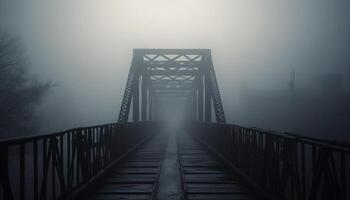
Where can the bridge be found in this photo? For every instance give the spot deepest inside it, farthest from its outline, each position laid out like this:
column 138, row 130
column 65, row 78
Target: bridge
column 172, row 141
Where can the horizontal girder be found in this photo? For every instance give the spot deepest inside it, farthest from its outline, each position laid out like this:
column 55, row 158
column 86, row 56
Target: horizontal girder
column 173, row 73
column 172, row 64
column 173, row 51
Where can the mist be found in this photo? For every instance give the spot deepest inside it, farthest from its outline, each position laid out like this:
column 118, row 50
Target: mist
column 85, row 48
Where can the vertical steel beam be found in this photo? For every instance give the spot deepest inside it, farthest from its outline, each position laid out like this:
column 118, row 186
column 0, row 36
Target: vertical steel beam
column 200, row 97
column 128, row 92
column 136, row 101
column 189, row 108
column 215, row 93
column 150, row 106
column 155, row 109
column 208, row 100
column 144, row 98
column 195, row 106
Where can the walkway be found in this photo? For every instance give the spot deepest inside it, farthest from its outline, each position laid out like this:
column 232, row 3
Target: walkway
column 171, row 167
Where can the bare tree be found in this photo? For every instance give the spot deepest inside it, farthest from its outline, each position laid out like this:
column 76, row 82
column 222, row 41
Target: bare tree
column 19, row 92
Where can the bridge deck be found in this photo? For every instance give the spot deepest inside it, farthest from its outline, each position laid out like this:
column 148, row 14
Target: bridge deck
column 202, row 177
column 136, row 178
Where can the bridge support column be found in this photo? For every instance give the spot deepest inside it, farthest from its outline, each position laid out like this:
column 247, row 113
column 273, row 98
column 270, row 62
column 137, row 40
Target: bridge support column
column 208, row 96
column 155, row 109
column 194, row 106
column 150, row 106
column 144, row 99
column 136, row 102
column 200, row 98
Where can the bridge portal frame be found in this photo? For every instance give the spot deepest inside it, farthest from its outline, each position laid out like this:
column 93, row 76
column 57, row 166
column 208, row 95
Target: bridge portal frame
column 158, row 75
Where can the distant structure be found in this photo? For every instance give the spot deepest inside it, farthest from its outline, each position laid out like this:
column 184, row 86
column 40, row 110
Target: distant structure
column 292, row 82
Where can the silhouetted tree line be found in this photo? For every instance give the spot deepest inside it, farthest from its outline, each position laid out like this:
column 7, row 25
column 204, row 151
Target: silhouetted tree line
column 19, row 92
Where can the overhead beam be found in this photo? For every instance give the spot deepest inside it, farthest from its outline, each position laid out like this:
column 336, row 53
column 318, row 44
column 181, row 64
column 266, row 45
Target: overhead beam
column 172, row 72
column 173, row 51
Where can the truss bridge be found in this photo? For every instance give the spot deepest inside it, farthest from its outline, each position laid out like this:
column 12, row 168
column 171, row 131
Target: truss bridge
column 171, row 141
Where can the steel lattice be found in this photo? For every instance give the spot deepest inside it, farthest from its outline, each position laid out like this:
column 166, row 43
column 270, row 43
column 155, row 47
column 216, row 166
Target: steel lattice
column 171, row 74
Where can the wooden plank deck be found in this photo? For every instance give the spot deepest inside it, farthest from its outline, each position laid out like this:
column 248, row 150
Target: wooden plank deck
column 204, row 178
column 136, row 178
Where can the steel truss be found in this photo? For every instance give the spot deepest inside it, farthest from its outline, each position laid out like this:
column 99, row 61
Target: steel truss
column 158, row 75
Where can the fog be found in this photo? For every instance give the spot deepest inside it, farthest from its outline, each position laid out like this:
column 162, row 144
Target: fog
column 85, row 48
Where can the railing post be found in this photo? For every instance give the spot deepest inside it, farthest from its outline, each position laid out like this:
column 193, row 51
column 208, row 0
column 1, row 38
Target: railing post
column 5, row 188
column 22, row 170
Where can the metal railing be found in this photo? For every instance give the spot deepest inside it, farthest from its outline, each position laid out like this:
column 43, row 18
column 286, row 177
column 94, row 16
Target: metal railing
column 288, row 166
column 53, row 166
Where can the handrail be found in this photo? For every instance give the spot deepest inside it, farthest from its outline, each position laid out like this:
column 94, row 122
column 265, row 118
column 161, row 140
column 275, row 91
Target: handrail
column 18, row 139
column 53, row 166
column 335, row 143
column 289, row 166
